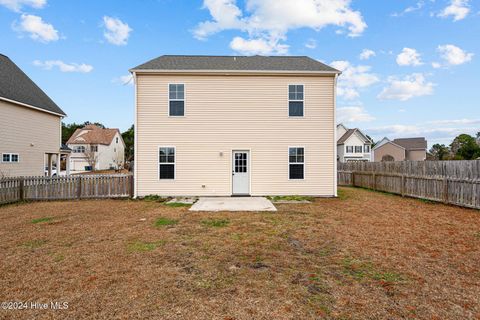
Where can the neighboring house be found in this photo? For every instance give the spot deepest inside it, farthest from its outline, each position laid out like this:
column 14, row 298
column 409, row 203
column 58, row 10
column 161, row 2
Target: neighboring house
column 352, row 145
column 30, row 125
column 226, row 125
column 95, row 148
column 414, row 149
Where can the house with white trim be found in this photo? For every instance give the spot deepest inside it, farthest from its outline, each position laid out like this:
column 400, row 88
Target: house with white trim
column 353, row 145
column 235, row 126
column 96, row 148
column 30, row 126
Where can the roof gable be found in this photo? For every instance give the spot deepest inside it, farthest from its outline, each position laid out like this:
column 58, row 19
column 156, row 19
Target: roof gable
column 16, row 86
column 351, row 132
column 92, row 134
column 235, row 63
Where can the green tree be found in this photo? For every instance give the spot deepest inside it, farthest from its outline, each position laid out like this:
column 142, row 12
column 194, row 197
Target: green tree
column 439, row 151
column 129, row 139
column 373, row 142
column 69, row 129
column 465, row 147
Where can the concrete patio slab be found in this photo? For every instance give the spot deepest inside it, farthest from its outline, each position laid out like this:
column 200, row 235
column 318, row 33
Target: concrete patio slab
column 233, row 204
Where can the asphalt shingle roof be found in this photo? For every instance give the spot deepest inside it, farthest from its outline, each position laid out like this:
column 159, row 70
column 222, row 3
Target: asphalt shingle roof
column 92, row 134
column 17, row 86
column 412, row 143
column 236, row 63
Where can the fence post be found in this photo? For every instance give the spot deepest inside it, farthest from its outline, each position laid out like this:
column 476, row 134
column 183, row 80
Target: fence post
column 21, row 187
column 445, row 190
column 353, row 178
column 79, row 188
column 374, row 182
column 402, row 186
column 131, row 181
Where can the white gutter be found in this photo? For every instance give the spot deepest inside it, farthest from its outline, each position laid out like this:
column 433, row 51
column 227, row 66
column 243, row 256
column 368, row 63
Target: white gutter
column 33, row 107
column 335, row 187
column 135, row 139
column 227, row 72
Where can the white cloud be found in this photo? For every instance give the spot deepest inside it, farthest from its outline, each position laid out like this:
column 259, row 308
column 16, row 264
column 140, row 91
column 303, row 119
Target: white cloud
column 311, row 44
column 458, row 9
column 353, row 114
column 367, row 54
column 16, row 5
column 453, row 55
column 257, row 46
column 116, row 32
column 419, row 5
column 270, row 20
column 414, row 85
column 63, row 67
column 409, row 57
column 352, row 79
column 38, row 29
column 124, row 80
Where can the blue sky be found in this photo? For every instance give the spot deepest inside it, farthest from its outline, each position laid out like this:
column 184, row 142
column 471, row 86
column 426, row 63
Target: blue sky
column 417, row 76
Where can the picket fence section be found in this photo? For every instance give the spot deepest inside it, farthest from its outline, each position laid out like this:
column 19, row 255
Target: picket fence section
column 66, row 188
column 452, row 182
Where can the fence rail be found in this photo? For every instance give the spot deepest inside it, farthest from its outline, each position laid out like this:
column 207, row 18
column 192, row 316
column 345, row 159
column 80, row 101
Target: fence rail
column 452, row 182
column 66, row 188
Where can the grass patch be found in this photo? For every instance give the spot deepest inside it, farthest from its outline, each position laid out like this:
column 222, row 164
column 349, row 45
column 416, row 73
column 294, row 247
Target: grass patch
column 162, row 222
column 154, row 198
column 34, row 244
column 364, row 270
column 177, row 204
column 141, row 246
column 40, row 220
column 290, row 198
column 58, row 257
column 216, row 223
column 341, row 194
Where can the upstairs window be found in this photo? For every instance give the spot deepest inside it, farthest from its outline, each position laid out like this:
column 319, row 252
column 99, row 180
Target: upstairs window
column 296, row 163
column 176, row 100
column 366, row 148
column 94, row 148
column 349, row 149
column 358, row 149
column 295, row 100
column 10, row 157
column 79, row 149
column 166, row 159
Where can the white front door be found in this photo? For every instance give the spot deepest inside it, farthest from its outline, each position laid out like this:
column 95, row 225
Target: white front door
column 240, row 173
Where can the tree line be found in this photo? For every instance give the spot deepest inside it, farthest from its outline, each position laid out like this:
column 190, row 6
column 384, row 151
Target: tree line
column 463, row 147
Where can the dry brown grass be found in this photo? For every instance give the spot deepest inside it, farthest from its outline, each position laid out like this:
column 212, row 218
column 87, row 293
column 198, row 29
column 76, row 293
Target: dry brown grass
column 364, row 256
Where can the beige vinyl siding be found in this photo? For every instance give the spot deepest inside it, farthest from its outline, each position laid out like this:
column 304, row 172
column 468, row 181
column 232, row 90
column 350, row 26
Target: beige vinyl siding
column 20, row 127
column 416, row 155
column 225, row 113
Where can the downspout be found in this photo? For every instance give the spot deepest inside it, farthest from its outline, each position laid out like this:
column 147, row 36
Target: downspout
column 135, row 144
column 335, row 175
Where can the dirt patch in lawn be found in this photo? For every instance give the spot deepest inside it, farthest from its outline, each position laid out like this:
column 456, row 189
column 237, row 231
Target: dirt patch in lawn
column 365, row 255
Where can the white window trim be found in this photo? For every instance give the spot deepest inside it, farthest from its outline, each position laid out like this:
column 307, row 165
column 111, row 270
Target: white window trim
column 369, row 148
column 304, row 162
column 174, row 163
column 288, row 100
column 184, row 100
column 10, row 157
column 355, row 149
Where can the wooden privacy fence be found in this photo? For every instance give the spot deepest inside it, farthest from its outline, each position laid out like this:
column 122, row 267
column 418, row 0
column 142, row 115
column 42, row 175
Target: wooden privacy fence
column 452, row 182
column 66, row 188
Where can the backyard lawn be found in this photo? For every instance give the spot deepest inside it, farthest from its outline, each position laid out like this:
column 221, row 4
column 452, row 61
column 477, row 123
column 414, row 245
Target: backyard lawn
column 365, row 255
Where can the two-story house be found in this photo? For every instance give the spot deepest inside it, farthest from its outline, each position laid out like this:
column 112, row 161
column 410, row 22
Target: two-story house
column 30, row 125
column 96, row 148
column 235, row 125
column 353, row 145
column 412, row 149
